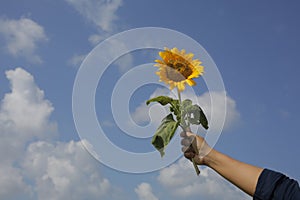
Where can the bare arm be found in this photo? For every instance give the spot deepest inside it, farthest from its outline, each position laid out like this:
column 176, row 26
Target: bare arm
column 242, row 175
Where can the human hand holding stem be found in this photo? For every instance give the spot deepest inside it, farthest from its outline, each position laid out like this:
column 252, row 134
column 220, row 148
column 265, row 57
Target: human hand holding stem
column 193, row 159
column 187, row 128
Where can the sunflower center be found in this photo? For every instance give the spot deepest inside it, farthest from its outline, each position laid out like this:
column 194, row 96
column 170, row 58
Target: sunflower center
column 178, row 69
column 183, row 68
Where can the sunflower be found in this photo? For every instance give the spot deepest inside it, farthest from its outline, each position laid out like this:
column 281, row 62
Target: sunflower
column 178, row 68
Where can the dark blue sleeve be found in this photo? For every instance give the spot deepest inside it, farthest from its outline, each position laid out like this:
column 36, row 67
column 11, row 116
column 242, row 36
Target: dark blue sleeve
column 273, row 185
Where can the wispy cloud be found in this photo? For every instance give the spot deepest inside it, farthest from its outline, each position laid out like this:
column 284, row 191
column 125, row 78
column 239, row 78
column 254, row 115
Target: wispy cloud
column 22, row 37
column 144, row 192
column 108, row 123
column 102, row 13
column 76, row 60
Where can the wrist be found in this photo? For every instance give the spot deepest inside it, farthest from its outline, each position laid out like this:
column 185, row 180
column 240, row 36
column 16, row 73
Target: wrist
column 210, row 158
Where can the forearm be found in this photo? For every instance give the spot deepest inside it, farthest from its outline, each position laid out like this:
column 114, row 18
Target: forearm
column 242, row 175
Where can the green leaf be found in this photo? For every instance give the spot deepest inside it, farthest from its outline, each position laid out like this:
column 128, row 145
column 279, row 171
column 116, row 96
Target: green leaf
column 164, row 133
column 163, row 100
column 197, row 116
column 193, row 113
column 186, row 103
column 203, row 119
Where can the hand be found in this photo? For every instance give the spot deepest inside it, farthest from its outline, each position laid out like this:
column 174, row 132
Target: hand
column 194, row 146
column 241, row 174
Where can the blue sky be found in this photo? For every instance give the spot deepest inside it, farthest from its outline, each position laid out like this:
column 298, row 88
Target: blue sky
column 255, row 45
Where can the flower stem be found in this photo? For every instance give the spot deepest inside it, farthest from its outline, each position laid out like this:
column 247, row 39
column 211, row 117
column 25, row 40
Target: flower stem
column 179, row 95
column 187, row 129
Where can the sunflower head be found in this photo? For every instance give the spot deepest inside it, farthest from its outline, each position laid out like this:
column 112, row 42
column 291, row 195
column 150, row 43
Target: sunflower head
column 177, row 68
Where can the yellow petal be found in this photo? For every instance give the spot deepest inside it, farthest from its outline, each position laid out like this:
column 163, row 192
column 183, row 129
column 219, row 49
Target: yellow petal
column 182, row 52
column 200, row 69
column 195, row 74
column 175, row 50
column 161, row 54
column 196, row 62
column 181, row 86
column 157, row 65
column 172, row 85
column 191, row 82
column 159, row 61
column 189, row 56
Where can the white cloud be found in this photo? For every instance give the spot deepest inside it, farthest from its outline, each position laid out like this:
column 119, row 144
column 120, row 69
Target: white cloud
column 12, row 185
column 144, row 113
column 108, row 123
column 33, row 166
column 124, row 62
column 116, row 48
column 90, row 148
column 26, row 103
column 22, row 36
column 76, row 60
column 96, row 38
column 64, row 171
column 181, row 181
column 153, row 112
column 144, row 192
column 24, row 115
column 100, row 12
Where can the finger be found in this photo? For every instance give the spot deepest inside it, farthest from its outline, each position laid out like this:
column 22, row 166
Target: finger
column 184, row 149
column 187, row 149
column 189, row 155
column 186, row 134
column 193, row 141
column 183, row 134
column 186, row 141
column 190, row 141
